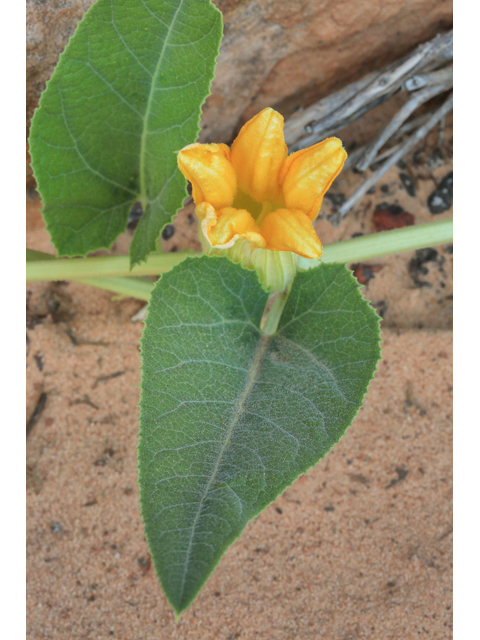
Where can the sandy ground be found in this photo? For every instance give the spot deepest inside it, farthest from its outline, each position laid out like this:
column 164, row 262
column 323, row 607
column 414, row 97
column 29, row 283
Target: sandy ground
column 358, row 548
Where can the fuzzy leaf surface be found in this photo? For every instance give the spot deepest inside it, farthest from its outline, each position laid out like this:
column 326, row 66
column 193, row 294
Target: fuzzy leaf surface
column 230, row 417
column 124, row 97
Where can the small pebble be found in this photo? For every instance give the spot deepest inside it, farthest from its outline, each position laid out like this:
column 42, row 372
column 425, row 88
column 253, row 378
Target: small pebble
column 168, row 232
column 441, row 199
column 408, row 184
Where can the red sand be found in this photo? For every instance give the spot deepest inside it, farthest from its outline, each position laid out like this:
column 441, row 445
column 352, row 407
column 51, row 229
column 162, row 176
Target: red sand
column 358, row 548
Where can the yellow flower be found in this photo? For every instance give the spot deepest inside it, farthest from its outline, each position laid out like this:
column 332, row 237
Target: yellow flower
column 254, row 200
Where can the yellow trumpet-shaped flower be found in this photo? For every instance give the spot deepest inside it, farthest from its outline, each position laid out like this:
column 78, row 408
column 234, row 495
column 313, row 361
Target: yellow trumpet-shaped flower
column 254, row 200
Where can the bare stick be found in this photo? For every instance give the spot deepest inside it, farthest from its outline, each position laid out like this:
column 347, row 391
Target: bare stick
column 409, row 126
column 414, row 123
column 418, row 98
column 386, row 154
column 299, row 123
column 441, row 133
column 442, row 76
column 419, row 134
column 343, row 107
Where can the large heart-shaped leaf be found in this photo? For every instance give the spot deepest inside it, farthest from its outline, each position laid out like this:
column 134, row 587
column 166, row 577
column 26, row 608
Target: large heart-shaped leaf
column 230, row 417
column 124, row 97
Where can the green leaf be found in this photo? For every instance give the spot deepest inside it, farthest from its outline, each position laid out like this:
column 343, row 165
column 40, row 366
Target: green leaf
column 230, row 417
column 125, row 96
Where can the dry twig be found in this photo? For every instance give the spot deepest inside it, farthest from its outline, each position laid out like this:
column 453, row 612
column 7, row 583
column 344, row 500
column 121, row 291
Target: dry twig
column 334, row 112
column 407, row 146
column 442, row 81
column 408, row 127
column 425, row 73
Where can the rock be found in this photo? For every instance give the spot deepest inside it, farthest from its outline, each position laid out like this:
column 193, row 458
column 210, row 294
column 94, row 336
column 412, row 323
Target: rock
column 441, row 199
column 417, row 268
column 337, row 199
column 136, row 212
column 381, row 306
column 436, row 159
column 168, row 232
column 50, row 25
column 365, row 272
column 290, row 54
column 408, row 183
column 274, row 53
column 391, row 216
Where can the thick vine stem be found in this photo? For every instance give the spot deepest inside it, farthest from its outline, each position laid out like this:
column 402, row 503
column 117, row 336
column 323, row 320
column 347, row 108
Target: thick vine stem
column 385, row 243
column 47, row 267
column 140, row 288
column 113, row 272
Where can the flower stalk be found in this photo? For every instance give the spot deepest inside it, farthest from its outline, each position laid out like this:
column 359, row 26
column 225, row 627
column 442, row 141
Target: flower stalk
column 272, row 317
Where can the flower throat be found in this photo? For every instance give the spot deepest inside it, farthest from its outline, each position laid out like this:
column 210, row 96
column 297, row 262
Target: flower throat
column 258, row 210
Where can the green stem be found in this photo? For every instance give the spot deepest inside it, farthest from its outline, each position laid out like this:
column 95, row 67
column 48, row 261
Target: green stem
column 376, row 245
column 368, row 247
column 140, row 288
column 272, row 318
column 113, row 272
column 46, row 268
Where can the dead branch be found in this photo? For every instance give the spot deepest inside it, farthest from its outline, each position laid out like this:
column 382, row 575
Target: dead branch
column 404, row 148
column 334, row 112
column 356, row 155
column 437, row 83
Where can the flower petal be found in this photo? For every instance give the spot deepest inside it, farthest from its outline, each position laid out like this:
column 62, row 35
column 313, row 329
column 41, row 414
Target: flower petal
column 307, row 174
column 223, row 228
column 257, row 156
column 291, row 230
column 208, row 168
